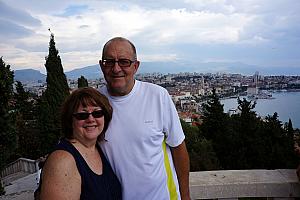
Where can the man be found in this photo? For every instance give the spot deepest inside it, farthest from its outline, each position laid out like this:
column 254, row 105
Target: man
column 144, row 142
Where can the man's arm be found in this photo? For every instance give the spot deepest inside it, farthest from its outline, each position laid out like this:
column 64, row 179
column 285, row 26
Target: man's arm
column 182, row 167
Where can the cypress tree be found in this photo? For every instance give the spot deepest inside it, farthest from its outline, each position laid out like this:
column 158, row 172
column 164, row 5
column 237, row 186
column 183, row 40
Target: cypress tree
column 52, row 99
column 82, row 82
column 57, row 85
column 7, row 131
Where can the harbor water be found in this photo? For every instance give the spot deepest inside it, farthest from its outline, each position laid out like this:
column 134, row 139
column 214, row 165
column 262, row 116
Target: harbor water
column 286, row 104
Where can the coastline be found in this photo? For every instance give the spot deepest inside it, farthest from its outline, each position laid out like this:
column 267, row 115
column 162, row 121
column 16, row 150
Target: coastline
column 285, row 103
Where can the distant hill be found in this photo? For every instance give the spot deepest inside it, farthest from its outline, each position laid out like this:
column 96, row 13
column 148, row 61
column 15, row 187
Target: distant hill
column 94, row 71
column 209, row 67
column 89, row 72
column 214, row 67
column 29, row 75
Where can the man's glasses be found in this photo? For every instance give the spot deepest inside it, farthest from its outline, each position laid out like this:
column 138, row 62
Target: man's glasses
column 121, row 62
column 85, row 115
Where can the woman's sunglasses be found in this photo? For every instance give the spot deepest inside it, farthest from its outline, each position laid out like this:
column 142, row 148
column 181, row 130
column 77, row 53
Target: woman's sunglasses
column 85, row 115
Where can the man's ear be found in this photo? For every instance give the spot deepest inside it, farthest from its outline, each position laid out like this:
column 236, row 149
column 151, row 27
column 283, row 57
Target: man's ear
column 101, row 65
column 136, row 65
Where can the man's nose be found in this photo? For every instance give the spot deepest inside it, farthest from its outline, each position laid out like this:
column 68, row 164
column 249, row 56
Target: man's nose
column 116, row 67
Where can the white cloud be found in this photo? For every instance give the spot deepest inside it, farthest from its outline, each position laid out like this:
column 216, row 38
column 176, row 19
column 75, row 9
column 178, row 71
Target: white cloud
column 77, row 59
column 158, row 57
column 17, row 15
column 164, row 26
column 159, row 29
column 20, row 59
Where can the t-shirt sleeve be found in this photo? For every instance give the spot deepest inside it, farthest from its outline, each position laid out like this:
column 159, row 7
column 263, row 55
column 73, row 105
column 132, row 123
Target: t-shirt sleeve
column 171, row 123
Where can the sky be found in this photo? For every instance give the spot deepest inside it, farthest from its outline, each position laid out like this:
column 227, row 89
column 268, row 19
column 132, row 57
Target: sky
column 263, row 33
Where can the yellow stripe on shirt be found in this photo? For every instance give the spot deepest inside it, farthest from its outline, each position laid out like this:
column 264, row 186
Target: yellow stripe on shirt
column 170, row 181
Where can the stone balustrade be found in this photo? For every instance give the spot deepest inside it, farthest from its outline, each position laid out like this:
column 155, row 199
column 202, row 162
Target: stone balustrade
column 17, row 169
column 223, row 184
column 234, row 184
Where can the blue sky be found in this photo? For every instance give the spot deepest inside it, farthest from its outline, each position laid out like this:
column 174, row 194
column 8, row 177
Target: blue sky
column 263, row 33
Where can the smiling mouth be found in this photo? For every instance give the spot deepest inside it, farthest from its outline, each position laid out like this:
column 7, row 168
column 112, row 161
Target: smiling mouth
column 118, row 76
column 90, row 126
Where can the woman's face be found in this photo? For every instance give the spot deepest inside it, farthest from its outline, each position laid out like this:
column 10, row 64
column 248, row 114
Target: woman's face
column 88, row 126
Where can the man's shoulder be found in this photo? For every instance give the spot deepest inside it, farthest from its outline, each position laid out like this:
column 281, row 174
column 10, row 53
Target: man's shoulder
column 152, row 86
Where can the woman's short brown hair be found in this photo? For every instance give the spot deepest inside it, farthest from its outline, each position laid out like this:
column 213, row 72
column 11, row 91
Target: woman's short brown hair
column 86, row 96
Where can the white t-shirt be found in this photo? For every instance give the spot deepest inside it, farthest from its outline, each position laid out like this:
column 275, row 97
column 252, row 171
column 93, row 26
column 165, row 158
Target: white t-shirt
column 144, row 124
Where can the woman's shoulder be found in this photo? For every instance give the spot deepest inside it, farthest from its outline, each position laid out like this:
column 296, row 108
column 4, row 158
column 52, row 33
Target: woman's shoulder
column 60, row 159
column 59, row 174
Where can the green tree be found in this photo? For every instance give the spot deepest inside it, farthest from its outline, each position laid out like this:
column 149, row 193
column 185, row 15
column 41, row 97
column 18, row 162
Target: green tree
column 289, row 128
column 51, row 100
column 246, row 107
column 215, row 127
column 7, row 131
column 259, row 143
column 26, row 124
column 213, row 117
column 290, row 132
column 82, row 82
column 21, row 97
column 245, row 132
column 201, row 152
column 280, row 145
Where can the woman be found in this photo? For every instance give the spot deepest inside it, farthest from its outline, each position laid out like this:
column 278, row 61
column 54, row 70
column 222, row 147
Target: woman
column 77, row 169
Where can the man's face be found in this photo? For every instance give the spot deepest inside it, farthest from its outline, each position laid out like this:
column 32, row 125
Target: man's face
column 120, row 81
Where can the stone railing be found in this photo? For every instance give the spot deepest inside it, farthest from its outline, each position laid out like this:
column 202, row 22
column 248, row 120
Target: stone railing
column 234, row 184
column 17, row 169
column 227, row 184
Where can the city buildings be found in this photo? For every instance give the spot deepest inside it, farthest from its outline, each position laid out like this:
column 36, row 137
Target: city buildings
column 190, row 90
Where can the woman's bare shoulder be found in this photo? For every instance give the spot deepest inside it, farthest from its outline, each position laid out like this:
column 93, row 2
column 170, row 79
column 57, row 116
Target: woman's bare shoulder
column 60, row 158
column 60, row 176
column 60, row 163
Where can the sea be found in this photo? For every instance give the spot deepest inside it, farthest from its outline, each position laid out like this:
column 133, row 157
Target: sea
column 286, row 104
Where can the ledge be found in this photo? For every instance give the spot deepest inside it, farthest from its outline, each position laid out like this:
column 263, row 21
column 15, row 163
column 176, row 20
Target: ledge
column 281, row 183
column 227, row 184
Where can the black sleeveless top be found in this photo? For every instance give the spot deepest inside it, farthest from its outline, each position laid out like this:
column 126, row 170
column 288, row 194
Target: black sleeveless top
column 93, row 186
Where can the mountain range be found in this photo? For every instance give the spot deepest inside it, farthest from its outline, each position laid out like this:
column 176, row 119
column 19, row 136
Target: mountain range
column 94, row 72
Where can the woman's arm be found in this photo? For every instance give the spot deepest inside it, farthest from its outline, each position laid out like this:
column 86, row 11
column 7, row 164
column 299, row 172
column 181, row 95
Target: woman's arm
column 60, row 177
